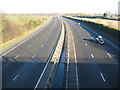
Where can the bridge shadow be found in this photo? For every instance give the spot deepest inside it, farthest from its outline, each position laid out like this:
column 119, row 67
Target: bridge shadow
column 26, row 70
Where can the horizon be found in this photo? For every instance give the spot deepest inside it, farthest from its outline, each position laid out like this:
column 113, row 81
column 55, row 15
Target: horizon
column 53, row 6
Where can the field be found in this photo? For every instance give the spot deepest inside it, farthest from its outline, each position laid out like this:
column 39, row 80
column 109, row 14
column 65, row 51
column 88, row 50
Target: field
column 109, row 23
column 15, row 26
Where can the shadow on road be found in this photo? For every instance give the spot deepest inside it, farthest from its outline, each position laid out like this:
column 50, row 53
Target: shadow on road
column 90, row 40
column 29, row 73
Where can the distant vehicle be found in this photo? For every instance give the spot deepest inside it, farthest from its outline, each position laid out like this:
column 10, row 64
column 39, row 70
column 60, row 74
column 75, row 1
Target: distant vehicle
column 78, row 23
column 100, row 40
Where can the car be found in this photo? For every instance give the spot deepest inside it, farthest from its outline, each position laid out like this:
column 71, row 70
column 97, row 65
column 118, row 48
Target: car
column 100, row 40
column 78, row 23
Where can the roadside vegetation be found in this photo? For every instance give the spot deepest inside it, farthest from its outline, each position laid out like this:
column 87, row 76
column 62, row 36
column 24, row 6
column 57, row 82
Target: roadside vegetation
column 110, row 23
column 15, row 26
column 106, row 23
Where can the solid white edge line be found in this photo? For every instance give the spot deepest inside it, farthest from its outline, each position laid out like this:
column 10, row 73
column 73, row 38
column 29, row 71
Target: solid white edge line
column 50, row 73
column 15, row 77
column 102, row 77
column 42, row 74
column 54, row 62
column 26, row 39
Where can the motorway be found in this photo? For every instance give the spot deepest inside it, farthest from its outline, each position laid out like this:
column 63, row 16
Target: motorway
column 95, row 66
column 22, row 67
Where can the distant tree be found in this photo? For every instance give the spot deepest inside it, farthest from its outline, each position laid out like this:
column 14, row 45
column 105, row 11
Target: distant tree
column 106, row 15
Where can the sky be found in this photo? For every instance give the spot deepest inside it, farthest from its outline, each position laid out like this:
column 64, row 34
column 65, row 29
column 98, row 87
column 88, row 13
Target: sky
column 59, row 6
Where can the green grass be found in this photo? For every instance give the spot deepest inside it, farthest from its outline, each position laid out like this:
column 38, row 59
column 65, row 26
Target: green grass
column 15, row 26
column 0, row 22
column 106, row 23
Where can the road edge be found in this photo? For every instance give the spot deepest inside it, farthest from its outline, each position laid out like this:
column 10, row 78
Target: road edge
column 45, row 79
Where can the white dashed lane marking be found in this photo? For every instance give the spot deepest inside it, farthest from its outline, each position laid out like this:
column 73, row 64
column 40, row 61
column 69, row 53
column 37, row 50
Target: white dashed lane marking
column 102, row 77
column 108, row 54
column 41, row 45
column 68, row 50
column 17, row 56
column 33, row 56
column 29, row 46
column 92, row 56
column 15, row 77
column 86, row 44
column 92, row 37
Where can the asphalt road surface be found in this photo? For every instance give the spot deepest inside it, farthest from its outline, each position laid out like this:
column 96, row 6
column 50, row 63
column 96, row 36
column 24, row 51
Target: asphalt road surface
column 97, row 65
column 22, row 67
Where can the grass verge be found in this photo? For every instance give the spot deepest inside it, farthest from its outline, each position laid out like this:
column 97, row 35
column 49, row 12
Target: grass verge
column 14, row 27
